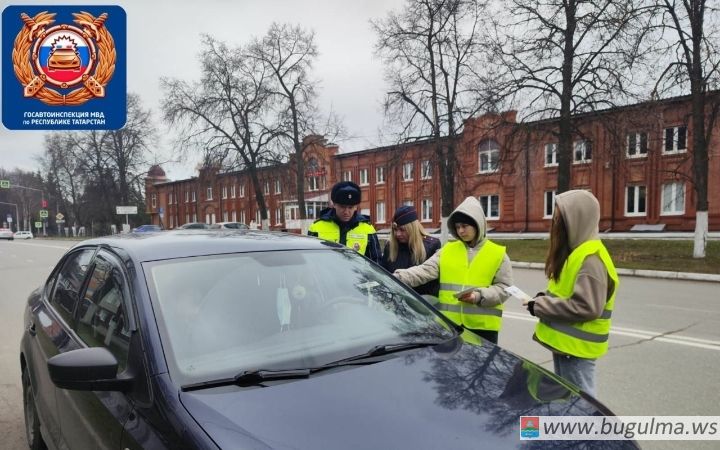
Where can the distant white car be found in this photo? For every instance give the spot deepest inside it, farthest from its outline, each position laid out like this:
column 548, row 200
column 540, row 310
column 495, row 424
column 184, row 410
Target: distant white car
column 23, row 235
column 228, row 226
column 6, row 233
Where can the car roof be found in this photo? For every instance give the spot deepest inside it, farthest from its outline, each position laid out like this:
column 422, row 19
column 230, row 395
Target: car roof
column 185, row 243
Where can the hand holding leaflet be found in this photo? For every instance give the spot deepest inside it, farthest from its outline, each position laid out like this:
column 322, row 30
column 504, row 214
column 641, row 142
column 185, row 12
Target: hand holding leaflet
column 518, row 293
column 463, row 293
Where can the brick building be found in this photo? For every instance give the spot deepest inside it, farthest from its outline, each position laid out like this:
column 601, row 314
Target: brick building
column 636, row 159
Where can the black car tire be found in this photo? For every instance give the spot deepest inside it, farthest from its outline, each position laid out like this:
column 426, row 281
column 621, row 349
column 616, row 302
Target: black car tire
column 32, row 421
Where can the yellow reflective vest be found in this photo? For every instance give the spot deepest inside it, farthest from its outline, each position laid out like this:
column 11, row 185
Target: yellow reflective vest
column 581, row 339
column 356, row 238
column 457, row 275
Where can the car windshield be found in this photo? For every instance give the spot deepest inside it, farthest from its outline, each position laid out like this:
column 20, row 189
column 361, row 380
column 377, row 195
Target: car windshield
column 220, row 315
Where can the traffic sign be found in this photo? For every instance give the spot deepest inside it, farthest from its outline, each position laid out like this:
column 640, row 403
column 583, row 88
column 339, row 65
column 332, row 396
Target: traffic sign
column 43, row 213
column 59, row 217
column 43, row 203
column 38, row 224
column 9, row 218
column 59, row 221
column 126, row 209
column 5, row 184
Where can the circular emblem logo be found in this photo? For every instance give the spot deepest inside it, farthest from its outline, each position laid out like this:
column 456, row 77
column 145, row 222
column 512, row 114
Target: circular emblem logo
column 64, row 56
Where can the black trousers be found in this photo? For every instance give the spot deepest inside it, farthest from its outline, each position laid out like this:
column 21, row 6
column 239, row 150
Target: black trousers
column 488, row 335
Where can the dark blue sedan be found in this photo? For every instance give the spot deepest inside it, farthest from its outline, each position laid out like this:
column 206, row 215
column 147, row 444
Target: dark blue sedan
column 251, row 340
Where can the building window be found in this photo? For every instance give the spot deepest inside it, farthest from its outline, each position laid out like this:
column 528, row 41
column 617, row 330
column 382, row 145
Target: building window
column 491, row 205
column 635, row 201
column 172, row 221
column 426, row 210
column 209, row 193
column 242, row 216
column 225, row 216
column 258, row 219
column 551, row 155
column 187, row 196
column 408, row 171
column 193, row 197
column 363, row 177
column 549, row 204
column 187, row 218
column 582, row 152
column 241, row 188
column 347, row 175
column 315, row 175
column 675, row 140
column 636, row 145
column 379, row 175
column 224, row 193
column 380, row 212
column 234, row 216
column 278, row 186
column 154, row 201
column 673, row 198
column 426, row 170
column 266, row 187
column 278, row 216
column 408, row 203
column 169, row 197
column 488, row 156
column 194, row 217
column 313, row 184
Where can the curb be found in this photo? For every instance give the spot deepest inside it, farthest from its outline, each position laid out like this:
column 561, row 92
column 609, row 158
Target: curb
column 690, row 276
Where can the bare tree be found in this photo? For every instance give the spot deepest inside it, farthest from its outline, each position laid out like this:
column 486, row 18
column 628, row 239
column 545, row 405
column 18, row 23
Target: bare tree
column 431, row 50
column 230, row 113
column 564, row 57
column 688, row 33
column 288, row 52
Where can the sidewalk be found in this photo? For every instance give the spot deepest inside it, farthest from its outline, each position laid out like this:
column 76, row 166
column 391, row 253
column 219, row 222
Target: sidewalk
column 690, row 276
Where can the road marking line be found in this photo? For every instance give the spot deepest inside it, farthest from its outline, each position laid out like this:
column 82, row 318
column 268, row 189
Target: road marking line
column 683, row 308
column 642, row 334
column 44, row 245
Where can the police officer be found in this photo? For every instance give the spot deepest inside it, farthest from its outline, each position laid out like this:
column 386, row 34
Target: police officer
column 343, row 224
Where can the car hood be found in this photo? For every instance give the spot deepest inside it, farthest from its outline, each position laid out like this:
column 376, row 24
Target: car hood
column 456, row 396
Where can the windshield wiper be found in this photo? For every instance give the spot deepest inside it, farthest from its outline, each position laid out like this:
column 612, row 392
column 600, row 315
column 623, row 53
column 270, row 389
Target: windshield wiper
column 248, row 378
column 381, row 350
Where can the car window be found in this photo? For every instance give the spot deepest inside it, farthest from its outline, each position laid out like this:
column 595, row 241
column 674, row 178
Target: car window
column 220, row 315
column 69, row 282
column 102, row 320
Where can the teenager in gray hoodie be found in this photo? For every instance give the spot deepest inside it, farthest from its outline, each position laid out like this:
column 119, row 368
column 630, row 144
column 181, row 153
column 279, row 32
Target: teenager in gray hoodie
column 575, row 310
column 473, row 273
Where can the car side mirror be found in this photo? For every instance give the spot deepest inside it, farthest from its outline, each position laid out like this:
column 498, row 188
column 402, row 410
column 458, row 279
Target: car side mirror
column 87, row 369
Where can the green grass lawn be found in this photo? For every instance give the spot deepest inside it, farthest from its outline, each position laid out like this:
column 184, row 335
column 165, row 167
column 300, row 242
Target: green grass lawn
column 671, row 255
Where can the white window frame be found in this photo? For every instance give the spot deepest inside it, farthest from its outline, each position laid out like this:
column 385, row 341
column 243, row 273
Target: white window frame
column 584, row 147
column 278, row 216
column 407, row 170
column 172, row 221
column 551, row 150
column 234, row 216
column 669, row 207
column 194, row 217
column 187, row 196
column 242, row 216
column 552, row 195
column 634, row 150
column 426, row 210
column 380, row 175
column 187, row 217
column 363, row 177
column 266, row 187
column 233, row 191
column 639, row 191
column 313, row 184
column 426, row 169
column 278, row 186
column 209, row 193
column 347, row 175
column 241, row 188
column 486, row 202
column 153, row 201
column 169, row 198
column 224, row 193
column 193, row 196
column 676, row 144
column 380, row 212
column 225, row 216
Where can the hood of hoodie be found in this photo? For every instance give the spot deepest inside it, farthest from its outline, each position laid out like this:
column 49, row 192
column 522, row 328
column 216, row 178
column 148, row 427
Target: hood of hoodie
column 581, row 212
column 470, row 207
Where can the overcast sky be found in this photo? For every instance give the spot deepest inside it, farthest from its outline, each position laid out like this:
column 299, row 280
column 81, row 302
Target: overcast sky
column 163, row 40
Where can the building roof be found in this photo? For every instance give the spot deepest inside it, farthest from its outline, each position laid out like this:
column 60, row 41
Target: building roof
column 156, row 171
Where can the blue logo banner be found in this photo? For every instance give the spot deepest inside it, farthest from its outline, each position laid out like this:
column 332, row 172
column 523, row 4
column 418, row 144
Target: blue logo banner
column 69, row 65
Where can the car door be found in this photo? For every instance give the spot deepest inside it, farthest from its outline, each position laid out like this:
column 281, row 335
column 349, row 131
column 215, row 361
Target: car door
column 49, row 331
column 104, row 318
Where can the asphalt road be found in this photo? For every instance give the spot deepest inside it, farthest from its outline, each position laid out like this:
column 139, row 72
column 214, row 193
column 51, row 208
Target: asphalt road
column 664, row 357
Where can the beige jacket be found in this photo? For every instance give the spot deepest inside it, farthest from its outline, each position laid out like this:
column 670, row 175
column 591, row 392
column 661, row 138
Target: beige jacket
column 429, row 270
column 581, row 212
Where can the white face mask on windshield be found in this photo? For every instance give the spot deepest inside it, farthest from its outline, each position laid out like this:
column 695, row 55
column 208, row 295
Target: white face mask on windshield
column 284, row 307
